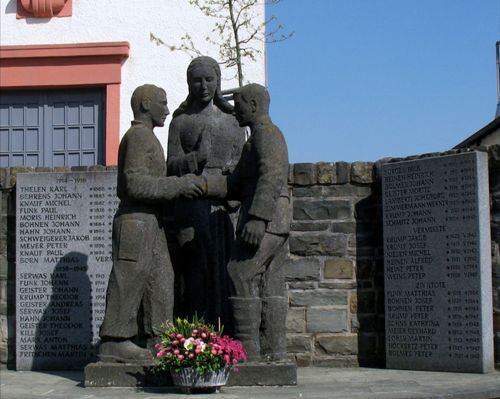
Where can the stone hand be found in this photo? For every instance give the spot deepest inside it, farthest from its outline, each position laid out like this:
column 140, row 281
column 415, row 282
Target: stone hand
column 193, row 186
column 253, row 232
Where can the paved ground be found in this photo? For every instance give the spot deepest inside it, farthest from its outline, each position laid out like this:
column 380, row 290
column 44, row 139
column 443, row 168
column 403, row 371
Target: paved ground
column 314, row 383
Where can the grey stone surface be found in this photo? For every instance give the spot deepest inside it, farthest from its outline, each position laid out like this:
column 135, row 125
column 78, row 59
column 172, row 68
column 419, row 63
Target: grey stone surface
column 312, row 244
column 337, row 344
column 262, row 374
column 134, row 375
column 204, row 138
column 297, row 343
column 326, row 320
column 63, row 263
column 299, row 269
column 438, row 264
column 322, row 210
column 304, row 174
column 318, row 297
column 318, row 383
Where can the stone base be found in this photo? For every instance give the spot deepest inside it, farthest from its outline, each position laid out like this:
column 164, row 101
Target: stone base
column 250, row 374
column 142, row 375
column 124, row 375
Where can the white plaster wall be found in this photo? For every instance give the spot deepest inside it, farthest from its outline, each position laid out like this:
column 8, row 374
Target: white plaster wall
column 132, row 21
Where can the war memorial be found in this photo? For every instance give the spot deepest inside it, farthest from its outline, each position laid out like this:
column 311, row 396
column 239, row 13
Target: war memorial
column 385, row 264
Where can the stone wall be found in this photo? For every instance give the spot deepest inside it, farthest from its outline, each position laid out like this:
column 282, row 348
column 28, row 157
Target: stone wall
column 334, row 270
column 494, row 168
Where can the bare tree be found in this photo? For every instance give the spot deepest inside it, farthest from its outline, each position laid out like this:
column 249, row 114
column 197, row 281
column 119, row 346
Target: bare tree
column 234, row 32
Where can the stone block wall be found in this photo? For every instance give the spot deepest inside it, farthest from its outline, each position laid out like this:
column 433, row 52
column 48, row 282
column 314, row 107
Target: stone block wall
column 494, row 174
column 334, row 271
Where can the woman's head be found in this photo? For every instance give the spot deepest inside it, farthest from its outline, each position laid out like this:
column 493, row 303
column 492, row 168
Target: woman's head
column 203, row 77
column 204, row 82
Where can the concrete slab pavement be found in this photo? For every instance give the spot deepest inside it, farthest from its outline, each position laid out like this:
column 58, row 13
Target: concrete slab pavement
column 313, row 383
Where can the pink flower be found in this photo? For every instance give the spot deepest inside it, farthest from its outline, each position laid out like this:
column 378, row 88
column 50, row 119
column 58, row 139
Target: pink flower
column 191, row 356
column 180, row 357
column 158, row 345
column 194, row 333
column 186, row 352
column 177, row 351
column 175, row 342
column 226, row 359
column 160, row 353
column 235, row 361
column 179, row 336
column 203, row 335
column 197, row 350
column 183, row 340
column 172, row 335
column 213, row 352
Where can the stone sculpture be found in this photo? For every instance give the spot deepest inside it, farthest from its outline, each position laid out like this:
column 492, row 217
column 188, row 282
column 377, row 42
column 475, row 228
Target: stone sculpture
column 205, row 139
column 260, row 182
column 140, row 289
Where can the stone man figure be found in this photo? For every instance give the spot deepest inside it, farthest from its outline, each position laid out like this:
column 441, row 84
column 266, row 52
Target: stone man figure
column 140, row 289
column 260, row 182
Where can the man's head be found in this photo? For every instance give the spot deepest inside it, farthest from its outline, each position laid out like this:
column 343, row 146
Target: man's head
column 149, row 102
column 251, row 102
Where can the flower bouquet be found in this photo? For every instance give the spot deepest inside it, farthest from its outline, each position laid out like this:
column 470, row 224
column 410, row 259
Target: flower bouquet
column 197, row 356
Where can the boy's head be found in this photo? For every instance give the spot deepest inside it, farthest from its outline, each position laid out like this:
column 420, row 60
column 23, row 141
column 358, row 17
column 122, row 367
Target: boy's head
column 250, row 102
column 150, row 101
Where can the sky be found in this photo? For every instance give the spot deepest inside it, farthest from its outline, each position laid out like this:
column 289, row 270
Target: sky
column 362, row 80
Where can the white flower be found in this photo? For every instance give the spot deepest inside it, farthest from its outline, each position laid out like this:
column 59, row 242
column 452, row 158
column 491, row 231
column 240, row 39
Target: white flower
column 189, row 343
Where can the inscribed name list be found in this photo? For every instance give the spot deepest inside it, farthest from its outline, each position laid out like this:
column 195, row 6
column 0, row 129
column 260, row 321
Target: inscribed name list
column 437, row 259
column 63, row 257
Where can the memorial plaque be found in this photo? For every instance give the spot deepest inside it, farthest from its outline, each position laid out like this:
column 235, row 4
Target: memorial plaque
column 63, row 261
column 437, row 253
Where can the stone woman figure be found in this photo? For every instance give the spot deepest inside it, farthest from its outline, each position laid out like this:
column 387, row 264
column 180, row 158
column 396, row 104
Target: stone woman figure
column 204, row 138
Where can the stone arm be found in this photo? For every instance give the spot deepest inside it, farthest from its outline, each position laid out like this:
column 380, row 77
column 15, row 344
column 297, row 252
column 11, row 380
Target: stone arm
column 179, row 162
column 143, row 184
column 271, row 155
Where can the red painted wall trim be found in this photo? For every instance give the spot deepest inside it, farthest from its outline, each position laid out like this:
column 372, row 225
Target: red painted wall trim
column 70, row 65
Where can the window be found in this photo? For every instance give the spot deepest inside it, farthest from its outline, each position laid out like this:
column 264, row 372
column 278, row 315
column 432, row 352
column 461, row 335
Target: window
column 52, row 128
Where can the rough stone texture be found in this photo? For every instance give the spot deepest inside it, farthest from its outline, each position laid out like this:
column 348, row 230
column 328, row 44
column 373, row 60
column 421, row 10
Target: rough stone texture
column 327, row 173
column 343, row 172
column 310, row 226
column 317, row 244
column 299, row 343
column 318, row 297
column 337, row 344
column 132, row 375
column 262, row 374
column 362, row 172
column 321, row 210
column 296, row 320
column 300, row 269
column 313, row 244
column 338, row 268
column 304, row 174
column 321, row 320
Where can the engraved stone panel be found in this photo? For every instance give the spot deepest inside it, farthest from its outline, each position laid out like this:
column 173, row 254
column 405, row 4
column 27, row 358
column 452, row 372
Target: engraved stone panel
column 438, row 303
column 63, row 259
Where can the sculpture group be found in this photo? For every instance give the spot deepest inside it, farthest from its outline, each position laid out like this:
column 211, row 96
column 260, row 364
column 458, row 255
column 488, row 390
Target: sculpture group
column 232, row 218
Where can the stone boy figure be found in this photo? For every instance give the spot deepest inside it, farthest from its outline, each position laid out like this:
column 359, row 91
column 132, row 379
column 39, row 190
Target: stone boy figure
column 259, row 181
column 142, row 279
